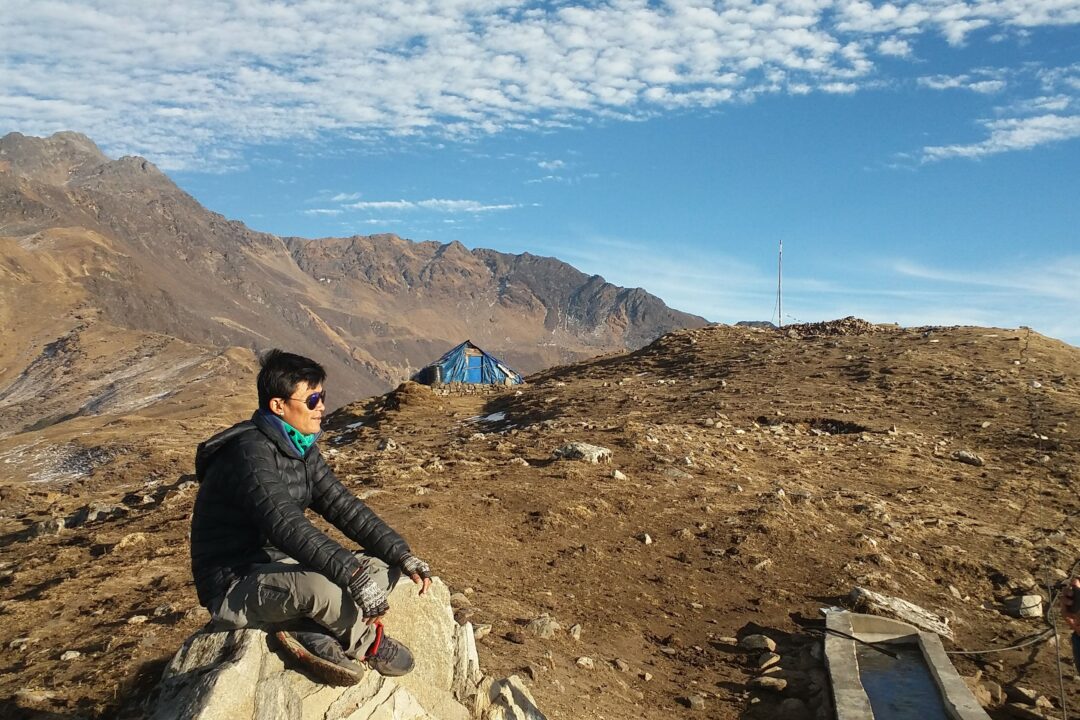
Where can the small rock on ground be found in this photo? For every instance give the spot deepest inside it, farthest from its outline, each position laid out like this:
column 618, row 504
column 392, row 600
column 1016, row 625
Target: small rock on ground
column 695, row 701
column 544, row 627
column 761, row 643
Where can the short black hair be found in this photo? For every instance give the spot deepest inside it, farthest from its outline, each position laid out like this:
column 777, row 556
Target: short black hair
column 282, row 372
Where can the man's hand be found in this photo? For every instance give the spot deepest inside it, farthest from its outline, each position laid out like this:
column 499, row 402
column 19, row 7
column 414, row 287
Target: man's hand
column 1065, row 605
column 369, row 597
column 418, row 570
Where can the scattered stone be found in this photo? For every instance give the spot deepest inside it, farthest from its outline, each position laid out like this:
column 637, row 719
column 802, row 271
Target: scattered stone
column 767, row 660
column 1024, row 606
column 993, row 689
column 760, row 643
column 583, row 451
column 163, row 611
column 459, row 600
column 575, row 631
column 768, row 682
column 646, row 676
column 645, row 538
column 20, row 643
column 1020, row 581
column 543, row 627
column 34, row 696
column 70, row 655
column 130, row 539
column 94, row 512
column 618, row 475
column 1021, row 694
column 137, row 619
column 695, row 701
column 620, row 665
column 902, row 610
column 585, row 662
column 481, row 631
column 980, row 693
column 515, row 637
column 968, row 458
column 136, row 499
column 520, row 461
column 387, row 444
column 52, row 526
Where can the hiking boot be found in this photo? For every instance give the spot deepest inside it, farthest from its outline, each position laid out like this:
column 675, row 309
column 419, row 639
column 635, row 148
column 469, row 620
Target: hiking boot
column 323, row 655
column 388, row 657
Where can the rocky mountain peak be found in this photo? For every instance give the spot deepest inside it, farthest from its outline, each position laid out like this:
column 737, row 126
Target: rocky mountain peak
column 55, row 160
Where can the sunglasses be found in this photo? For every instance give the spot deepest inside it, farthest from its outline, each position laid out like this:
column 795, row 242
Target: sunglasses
column 312, row 401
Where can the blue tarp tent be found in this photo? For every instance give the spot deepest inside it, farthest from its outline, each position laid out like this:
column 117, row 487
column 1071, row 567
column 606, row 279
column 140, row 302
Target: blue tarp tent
column 467, row 363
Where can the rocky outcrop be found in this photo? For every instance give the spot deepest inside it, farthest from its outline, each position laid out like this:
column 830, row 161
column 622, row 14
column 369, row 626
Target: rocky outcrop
column 241, row 675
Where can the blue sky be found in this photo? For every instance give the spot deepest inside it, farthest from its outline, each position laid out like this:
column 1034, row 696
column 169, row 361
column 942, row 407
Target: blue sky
column 919, row 160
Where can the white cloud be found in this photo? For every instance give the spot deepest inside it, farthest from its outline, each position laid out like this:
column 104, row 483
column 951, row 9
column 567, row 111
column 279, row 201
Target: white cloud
column 1021, row 124
column 171, row 82
column 986, row 86
column 895, row 47
column 1011, row 134
column 192, row 84
column 432, row 204
column 1044, row 295
column 346, row 197
column 1059, row 279
column 323, row 211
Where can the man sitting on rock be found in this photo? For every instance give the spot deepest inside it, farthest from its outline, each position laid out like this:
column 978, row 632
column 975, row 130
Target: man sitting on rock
column 259, row 562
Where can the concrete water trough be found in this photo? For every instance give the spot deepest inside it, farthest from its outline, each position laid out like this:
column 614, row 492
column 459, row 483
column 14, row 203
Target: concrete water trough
column 914, row 681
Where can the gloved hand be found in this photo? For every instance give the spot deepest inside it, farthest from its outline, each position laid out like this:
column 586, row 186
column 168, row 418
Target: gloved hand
column 413, row 565
column 417, row 570
column 370, row 598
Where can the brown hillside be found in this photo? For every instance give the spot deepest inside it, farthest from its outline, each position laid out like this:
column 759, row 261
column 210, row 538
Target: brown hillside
column 110, row 273
column 772, row 471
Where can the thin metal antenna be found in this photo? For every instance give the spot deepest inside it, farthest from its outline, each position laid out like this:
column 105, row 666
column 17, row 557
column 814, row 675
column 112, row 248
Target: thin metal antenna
column 779, row 286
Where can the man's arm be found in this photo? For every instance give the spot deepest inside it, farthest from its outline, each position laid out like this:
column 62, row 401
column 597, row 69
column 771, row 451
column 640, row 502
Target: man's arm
column 355, row 519
column 260, row 489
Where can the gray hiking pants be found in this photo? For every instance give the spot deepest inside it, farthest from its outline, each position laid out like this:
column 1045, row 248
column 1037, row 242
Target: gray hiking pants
column 280, row 593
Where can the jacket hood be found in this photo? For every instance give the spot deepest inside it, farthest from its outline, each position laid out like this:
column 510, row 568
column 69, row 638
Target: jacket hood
column 208, row 448
column 265, row 422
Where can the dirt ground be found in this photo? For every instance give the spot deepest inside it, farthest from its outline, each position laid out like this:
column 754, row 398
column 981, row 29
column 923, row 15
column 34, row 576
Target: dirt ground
column 762, row 475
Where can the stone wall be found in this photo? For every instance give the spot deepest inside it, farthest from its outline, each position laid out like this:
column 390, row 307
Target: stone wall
column 468, row 389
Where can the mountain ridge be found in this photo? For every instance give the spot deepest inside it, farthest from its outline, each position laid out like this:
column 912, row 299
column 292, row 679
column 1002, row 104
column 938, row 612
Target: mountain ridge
column 104, row 247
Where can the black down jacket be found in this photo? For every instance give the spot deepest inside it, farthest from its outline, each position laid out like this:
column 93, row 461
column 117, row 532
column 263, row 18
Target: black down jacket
column 254, row 488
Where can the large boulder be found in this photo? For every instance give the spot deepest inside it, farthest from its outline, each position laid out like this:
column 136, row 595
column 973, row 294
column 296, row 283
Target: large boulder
column 242, row 675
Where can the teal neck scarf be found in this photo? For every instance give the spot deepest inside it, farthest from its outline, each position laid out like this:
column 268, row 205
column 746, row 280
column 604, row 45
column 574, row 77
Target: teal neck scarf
column 300, row 440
